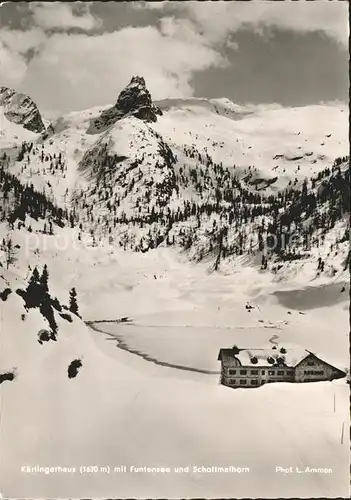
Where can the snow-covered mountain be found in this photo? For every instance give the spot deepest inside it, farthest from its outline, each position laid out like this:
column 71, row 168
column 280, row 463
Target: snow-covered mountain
column 107, row 211
column 209, row 176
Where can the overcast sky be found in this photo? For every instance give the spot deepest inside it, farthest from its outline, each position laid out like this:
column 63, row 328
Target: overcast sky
column 70, row 56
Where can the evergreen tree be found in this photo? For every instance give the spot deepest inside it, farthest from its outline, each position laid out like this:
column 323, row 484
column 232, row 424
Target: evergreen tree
column 73, row 306
column 21, row 152
column 9, row 250
column 34, row 290
column 44, row 278
column 35, row 278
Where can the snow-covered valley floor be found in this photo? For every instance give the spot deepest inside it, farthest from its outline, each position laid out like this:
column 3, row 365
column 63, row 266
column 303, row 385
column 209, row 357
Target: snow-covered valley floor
column 125, row 410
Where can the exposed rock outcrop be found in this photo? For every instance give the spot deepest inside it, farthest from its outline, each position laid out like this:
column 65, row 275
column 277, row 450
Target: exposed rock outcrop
column 135, row 100
column 21, row 109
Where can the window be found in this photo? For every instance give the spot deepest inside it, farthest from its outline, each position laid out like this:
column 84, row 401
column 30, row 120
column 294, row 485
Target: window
column 280, row 372
column 310, row 363
column 232, row 372
column 243, row 382
column 254, row 372
column 232, row 381
column 270, row 372
column 243, row 372
column 313, row 372
column 254, row 382
column 263, row 372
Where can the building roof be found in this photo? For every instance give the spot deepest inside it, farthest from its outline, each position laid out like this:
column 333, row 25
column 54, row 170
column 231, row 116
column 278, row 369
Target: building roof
column 226, row 354
column 272, row 356
column 265, row 356
column 288, row 355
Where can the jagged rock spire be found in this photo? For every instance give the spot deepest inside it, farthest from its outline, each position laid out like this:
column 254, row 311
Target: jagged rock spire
column 134, row 95
column 134, row 100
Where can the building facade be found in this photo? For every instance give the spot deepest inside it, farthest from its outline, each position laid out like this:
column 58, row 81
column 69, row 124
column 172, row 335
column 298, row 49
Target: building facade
column 255, row 367
column 312, row 369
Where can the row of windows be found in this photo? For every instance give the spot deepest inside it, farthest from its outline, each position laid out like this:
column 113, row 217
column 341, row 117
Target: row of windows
column 255, row 382
column 244, row 372
column 313, row 372
column 243, row 382
column 255, row 372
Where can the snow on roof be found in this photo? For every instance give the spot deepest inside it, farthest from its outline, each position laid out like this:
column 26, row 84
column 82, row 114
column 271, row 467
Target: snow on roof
column 266, row 356
column 289, row 357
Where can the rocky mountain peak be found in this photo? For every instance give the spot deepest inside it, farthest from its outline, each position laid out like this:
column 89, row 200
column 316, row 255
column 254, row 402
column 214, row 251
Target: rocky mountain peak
column 133, row 100
column 134, row 96
column 139, row 80
column 21, row 109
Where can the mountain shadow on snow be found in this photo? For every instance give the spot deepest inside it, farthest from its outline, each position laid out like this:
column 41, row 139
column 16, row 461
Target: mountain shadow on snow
column 312, row 297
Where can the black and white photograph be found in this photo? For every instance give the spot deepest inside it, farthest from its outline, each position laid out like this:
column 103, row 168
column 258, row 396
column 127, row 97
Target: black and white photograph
column 174, row 250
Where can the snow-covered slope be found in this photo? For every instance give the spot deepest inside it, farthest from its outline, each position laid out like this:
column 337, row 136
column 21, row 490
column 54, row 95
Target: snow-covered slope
column 223, row 106
column 283, row 142
column 122, row 410
column 12, row 134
